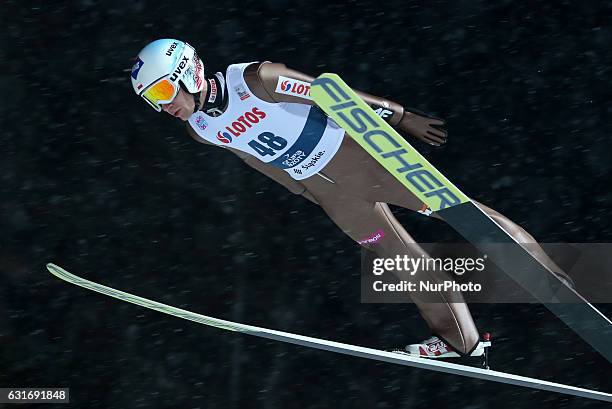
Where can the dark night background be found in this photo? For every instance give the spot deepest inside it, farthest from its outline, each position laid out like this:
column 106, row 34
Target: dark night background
column 99, row 183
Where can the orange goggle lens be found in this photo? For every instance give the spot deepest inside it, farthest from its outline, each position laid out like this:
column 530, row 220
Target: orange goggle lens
column 161, row 92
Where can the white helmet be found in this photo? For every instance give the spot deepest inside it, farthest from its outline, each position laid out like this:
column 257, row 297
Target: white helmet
column 159, row 68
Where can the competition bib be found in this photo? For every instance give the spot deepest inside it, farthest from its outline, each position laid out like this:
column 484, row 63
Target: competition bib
column 297, row 138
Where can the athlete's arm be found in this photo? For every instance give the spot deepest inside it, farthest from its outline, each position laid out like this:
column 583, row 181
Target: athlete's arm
column 274, row 82
column 274, row 173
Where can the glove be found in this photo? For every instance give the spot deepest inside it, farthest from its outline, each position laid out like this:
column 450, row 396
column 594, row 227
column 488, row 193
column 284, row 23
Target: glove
column 425, row 127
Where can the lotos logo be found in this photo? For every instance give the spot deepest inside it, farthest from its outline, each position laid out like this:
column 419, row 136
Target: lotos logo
column 224, row 137
column 241, row 124
column 291, row 86
column 179, row 70
column 136, row 68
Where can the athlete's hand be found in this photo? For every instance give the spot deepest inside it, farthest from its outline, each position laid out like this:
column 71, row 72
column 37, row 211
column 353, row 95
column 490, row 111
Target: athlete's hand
column 427, row 128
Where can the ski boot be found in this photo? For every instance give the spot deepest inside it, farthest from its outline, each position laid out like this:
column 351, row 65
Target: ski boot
column 436, row 348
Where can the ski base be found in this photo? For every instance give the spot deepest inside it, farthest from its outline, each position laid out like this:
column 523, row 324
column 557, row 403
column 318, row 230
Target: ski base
column 338, row 347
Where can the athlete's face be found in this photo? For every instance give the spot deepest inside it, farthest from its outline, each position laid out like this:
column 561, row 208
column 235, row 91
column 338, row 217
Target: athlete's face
column 181, row 106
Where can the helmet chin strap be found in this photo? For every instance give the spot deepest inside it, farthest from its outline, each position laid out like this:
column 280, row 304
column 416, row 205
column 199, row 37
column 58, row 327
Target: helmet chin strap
column 196, row 99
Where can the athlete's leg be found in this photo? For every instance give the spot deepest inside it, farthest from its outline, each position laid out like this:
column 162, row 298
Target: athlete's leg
column 390, row 194
column 520, row 235
column 448, row 315
column 361, row 175
column 445, row 312
column 357, row 172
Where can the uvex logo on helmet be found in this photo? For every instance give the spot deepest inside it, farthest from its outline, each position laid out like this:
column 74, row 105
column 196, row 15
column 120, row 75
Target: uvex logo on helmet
column 240, row 125
column 179, row 70
column 171, row 49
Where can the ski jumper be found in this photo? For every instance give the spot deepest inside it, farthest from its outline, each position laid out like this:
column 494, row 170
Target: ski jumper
column 270, row 122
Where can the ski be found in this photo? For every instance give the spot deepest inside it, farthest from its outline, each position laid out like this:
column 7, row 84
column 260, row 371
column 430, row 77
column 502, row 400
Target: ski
column 421, row 178
column 338, row 347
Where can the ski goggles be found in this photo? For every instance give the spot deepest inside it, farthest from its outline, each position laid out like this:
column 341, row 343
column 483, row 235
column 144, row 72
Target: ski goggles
column 163, row 91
